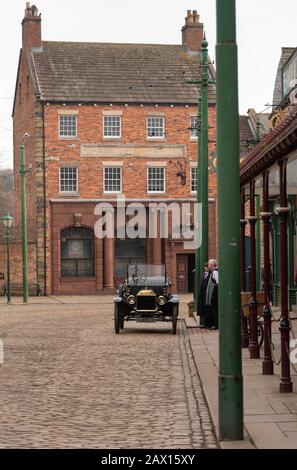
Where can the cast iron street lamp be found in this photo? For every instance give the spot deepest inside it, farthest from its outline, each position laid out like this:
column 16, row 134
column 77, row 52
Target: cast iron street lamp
column 7, row 221
column 230, row 374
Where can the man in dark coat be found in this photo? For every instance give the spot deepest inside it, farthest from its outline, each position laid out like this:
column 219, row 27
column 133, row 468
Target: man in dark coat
column 211, row 297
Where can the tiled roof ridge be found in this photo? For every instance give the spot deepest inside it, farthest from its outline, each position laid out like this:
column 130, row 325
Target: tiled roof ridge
column 93, row 43
column 273, row 136
column 288, row 48
column 117, row 72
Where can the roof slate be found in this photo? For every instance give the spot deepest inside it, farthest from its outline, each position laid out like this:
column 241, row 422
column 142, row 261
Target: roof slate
column 278, row 91
column 262, row 157
column 246, row 134
column 124, row 73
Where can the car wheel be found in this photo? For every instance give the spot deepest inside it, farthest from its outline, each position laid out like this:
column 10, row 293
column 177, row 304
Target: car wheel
column 122, row 323
column 116, row 319
column 174, row 319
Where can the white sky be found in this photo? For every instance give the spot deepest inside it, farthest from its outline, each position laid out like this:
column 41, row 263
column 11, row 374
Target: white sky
column 263, row 27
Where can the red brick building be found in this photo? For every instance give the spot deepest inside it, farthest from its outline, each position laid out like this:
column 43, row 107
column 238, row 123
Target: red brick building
column 103, row 120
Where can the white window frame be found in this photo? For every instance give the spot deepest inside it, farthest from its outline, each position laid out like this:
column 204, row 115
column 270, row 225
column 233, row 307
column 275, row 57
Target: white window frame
column 157, row 137
column 60, row 180
column 192, row 135
column 111, row 167
column 191, row 179
column 67, row 116
column 164, row 179
column 118, row 116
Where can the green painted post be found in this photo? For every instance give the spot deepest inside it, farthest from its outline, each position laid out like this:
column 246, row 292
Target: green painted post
column 7, row 221
column 202, row 167
column 8, row 266
column 22, row 173
column 203, row 183
column 197, row 257
column 230, row 369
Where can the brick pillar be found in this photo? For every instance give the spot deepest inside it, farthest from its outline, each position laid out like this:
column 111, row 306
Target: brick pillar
column 99, row 263
column 108, row 250
column 157, row 245
column 157, row 250
column 108, row 263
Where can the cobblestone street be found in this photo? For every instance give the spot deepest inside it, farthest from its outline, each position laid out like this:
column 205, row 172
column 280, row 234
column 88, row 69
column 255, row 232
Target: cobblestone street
column 69, row 381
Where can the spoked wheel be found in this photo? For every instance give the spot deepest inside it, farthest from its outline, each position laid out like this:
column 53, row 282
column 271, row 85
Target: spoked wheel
column 117, row 323
column 122, row 324
column 260, row 332
column 174, row 320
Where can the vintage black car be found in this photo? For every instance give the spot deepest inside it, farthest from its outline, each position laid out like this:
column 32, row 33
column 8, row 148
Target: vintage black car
column 145, row 296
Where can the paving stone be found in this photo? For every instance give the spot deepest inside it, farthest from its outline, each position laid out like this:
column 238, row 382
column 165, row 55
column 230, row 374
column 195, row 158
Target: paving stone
column 69, row 381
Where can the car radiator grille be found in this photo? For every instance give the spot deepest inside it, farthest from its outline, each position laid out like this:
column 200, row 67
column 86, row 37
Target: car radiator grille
column 146, row 303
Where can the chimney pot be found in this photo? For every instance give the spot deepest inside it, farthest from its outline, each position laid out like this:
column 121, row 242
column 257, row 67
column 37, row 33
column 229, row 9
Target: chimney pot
column 192, row 32
column 31, row 27
column 196, row 16
column 34, row 10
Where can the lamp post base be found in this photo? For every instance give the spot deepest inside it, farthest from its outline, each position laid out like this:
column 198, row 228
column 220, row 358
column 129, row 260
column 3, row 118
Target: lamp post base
column 286, row 387
column 267, row 368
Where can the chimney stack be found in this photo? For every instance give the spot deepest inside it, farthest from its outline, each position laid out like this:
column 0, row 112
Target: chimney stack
column 31, row 27
column 192, row 32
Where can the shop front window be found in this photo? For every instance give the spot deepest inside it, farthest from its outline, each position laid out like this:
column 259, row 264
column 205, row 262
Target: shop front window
column 127, row 252
column 77, row 252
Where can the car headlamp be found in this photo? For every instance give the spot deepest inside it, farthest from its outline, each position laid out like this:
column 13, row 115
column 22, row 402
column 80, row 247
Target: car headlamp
column 161, row 300
column 131, row 300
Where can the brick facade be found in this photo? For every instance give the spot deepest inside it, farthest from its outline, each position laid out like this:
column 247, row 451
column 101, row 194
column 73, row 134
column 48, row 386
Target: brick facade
column 16, row 264
column 50, row 211
column 62, row 151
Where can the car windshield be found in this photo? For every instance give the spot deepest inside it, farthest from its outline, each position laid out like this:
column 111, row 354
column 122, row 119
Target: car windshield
column 149, row 274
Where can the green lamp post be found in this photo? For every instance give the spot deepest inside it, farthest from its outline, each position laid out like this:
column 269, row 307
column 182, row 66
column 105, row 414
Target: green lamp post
column 202, row 168
column 22, row 172
column 230, row 369
column 7, row 221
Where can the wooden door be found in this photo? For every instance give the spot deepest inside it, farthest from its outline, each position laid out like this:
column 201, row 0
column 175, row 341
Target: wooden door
column 182, row 273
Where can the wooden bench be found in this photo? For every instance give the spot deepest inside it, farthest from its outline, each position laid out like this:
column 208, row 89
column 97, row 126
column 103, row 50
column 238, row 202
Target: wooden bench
column 246, row 299
column 17, row 289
